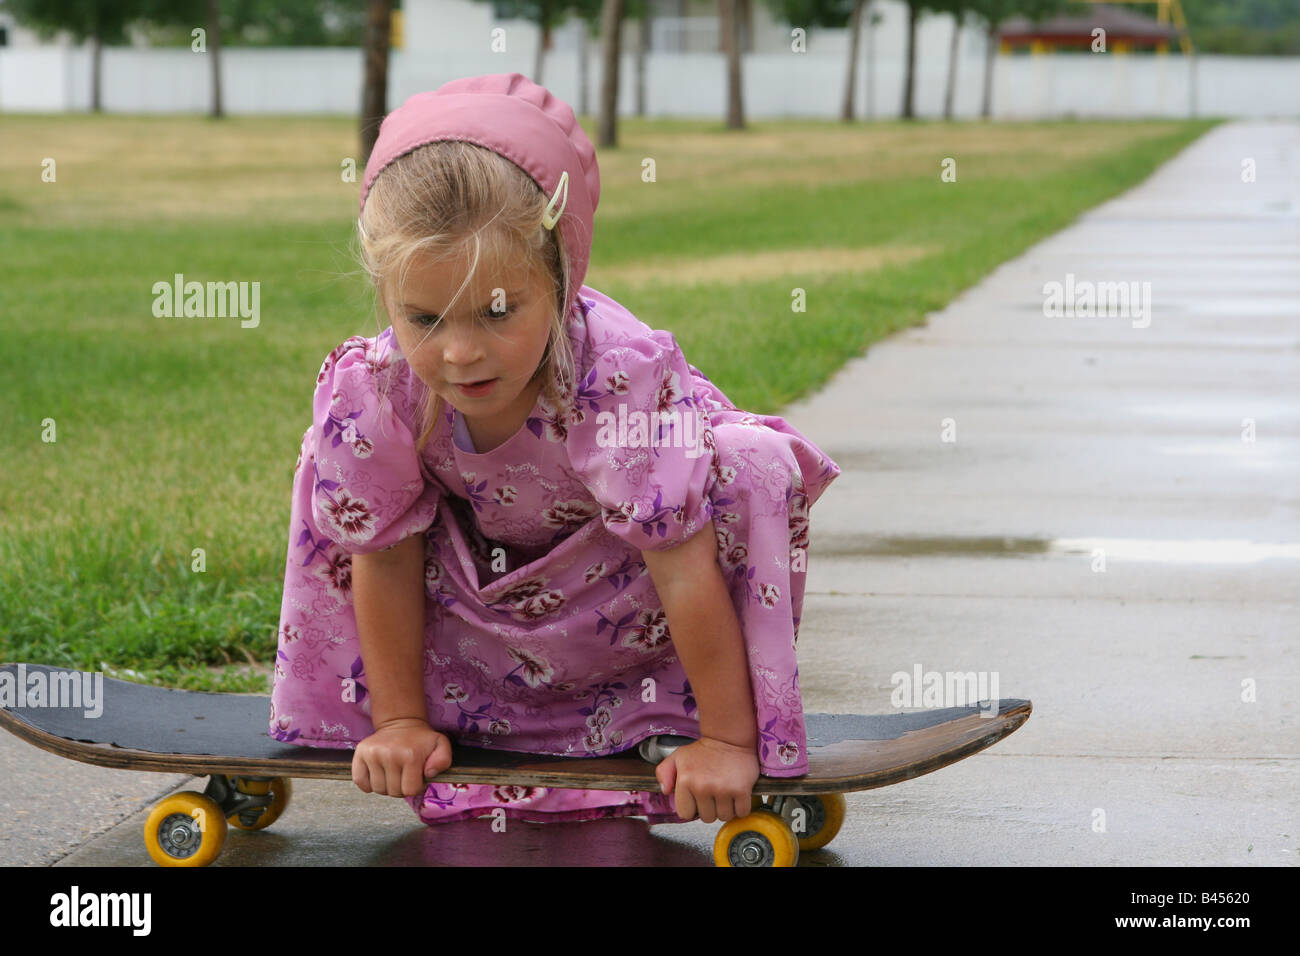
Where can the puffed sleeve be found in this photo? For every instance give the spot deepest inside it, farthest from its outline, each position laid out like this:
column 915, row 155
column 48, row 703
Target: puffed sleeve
column 642, row 444
column 368, row 491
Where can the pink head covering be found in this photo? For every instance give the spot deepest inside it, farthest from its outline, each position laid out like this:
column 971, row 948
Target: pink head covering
column 513, row 116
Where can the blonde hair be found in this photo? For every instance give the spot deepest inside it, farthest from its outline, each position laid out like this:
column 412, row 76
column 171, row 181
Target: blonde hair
column 445, row 199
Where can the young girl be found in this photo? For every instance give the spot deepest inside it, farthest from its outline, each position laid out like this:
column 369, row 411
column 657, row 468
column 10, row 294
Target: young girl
column 521, row 519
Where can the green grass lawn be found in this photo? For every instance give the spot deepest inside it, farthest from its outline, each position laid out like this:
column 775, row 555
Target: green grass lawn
column 176, row 434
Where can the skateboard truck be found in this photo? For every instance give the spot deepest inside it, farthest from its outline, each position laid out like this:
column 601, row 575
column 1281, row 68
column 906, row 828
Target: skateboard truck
column 655, row 749
column 778, row 826
column 248, row 806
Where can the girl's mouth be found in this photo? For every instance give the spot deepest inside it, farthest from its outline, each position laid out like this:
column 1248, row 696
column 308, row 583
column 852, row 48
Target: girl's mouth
column 478, row 389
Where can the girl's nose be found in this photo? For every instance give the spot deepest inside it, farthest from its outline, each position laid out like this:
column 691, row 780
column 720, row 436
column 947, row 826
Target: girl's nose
column 463, row 346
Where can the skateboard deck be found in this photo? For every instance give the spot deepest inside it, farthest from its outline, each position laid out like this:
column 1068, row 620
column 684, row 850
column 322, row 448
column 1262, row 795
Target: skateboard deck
column 141, row 727
column 154, row 728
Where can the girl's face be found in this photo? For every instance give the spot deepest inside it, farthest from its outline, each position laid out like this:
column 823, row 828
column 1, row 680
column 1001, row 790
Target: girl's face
column 473, row 342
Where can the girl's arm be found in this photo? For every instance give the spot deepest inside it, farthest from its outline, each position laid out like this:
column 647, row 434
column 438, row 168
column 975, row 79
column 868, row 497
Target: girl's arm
column 388, row 596
column 714, row 776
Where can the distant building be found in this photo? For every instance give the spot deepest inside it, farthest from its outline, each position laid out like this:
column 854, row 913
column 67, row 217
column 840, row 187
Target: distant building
column 1125, row 30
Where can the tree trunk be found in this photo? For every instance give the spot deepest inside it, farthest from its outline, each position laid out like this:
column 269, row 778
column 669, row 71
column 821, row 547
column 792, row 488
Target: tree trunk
column 909, row 78
column 855, row 24
column 871, row 60
column 543, row 42
column 990, row 52
column 731, row 46
column 214, row 52
column 374, row 94
column 611, row 23
column 642, row 53
column 584, row 81
column 949, row 93
column 96, row 56
column 537, row 55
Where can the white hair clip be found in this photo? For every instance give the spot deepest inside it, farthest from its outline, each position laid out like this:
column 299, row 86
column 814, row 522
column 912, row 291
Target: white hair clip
column 549, row 218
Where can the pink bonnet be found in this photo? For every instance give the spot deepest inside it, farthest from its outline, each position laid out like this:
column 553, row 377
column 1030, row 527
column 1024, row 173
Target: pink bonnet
column 513, row 116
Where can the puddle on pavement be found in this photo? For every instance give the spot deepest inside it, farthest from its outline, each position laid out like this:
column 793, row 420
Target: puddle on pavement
column 1228, row 410
column 917, row 546
column 1194, row 551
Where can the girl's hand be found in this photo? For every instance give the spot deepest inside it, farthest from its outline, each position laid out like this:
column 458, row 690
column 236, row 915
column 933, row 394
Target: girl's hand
column 709, row 777
column 399, row 757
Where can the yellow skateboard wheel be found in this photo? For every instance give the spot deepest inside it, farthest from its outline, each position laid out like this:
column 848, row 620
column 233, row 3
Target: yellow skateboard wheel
column 820, row 816
column 758, row 839
column 186, row 829
column 279, row 788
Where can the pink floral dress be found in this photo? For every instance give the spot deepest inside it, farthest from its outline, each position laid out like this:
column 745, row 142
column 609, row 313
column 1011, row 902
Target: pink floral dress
column 543, row 630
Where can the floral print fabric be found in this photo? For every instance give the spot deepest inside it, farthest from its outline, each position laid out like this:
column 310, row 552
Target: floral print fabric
column 543, row 631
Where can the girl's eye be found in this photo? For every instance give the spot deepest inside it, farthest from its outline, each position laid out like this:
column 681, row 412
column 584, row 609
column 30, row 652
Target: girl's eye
column 428, row 320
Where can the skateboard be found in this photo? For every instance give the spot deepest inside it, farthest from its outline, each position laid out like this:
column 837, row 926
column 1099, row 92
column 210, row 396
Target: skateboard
column 223, row 736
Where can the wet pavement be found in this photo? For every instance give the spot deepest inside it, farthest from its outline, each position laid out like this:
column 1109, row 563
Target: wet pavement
column 1103, row 510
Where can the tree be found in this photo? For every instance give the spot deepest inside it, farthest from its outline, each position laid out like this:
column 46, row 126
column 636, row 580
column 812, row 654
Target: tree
column 336, row 23
column 727, row 26
column 915, row 8
column 851, row 81
column 832, row 15
column 611, row 42
column 214, row 51
column 641, row 11
column 1244, row 27
column 289, row 23
column 176, row 20
column 546, row 14
column 374, row 93
column 993, row 12
column 590, row 15
column 959, row 9
column 100, row 23
column 172, row 22
column 733, row 17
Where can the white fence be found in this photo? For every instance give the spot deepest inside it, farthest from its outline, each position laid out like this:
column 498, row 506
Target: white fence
column 326, row 80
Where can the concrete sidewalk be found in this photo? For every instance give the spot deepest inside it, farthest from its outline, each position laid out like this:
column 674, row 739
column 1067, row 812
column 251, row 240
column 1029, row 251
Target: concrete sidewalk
column 1077, row 441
